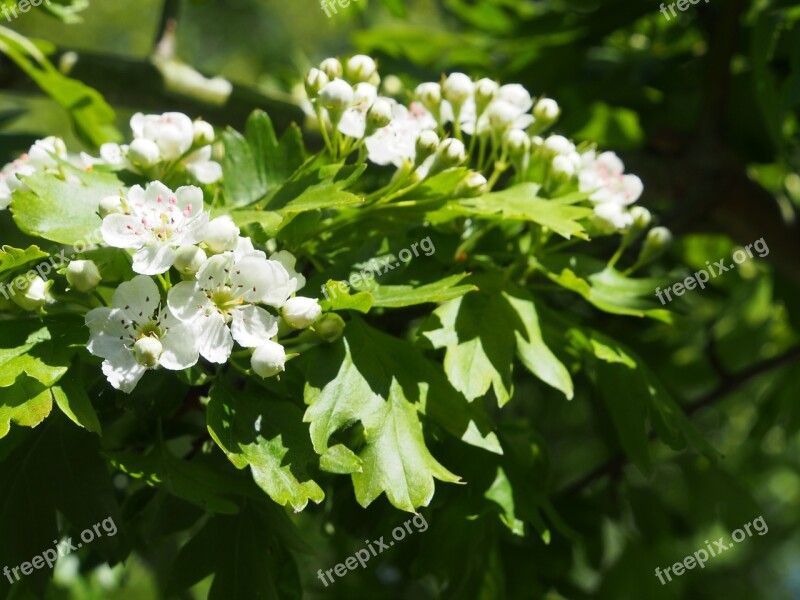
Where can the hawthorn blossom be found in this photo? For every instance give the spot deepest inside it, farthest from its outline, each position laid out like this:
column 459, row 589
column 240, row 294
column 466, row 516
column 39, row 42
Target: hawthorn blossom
column 43, row 156
column 605, row 177
column 221, row 302
column 396, row 142
column 136, row 334
column 155, row 223
column 172, row 132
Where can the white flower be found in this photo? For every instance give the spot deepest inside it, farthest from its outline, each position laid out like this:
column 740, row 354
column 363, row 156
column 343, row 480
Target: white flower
column 473, row 185
column 111, row 205
column 429, row 94
column 604, row 177
column 558, row 144
column 546, row 110
column 563, row 167
column 338, row 95
column 222, row 234
column 189, row 259
column 268, row 359
column 202, row 168
column 288, row 261
column 396, row 142
column 34, row 296
column 452, row 152
column 44, row 154
column 137, row 334
column 507, row 110
column 143, row 153
column 485, row 92
column 360, row 68
column 331, row 67
column 379, row 114
column 156, row 223
column 221, row 302
column 457, row 88
column 354, row 120
column 173, row 132
column 315, row 80
column 114, row 154
column 83, row 275
column 517, row 143
column 610, row 217
column 300, row 312
column 9, row 179
column 203, row 133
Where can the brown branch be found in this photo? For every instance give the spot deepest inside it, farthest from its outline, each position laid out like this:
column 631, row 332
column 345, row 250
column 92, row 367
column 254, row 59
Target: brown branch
column 614, row 467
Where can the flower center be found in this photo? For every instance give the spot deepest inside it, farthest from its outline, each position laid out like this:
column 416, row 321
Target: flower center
column 226, row 300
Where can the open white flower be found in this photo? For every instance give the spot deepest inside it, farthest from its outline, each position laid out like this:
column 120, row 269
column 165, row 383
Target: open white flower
column 137, row 334
column 397, row 142
column 610, row 217
column 221, row 302
column 172, row 132
column 158, row 221
column 604, row 175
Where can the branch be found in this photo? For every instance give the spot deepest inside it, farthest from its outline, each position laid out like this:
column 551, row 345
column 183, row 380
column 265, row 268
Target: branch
column 614, row 467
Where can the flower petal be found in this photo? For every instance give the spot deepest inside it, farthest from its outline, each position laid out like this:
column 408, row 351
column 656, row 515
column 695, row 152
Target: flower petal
column 179, row 348
column 187, row 302
column 252, row 326
column 137, row 298
column 205, row 172
column 214, row 341
column 123, row 231
column 153, row 259
column 122, row 370
column 215, row 272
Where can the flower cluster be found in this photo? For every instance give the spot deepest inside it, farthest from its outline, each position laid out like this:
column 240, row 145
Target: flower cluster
column 43, row 156
column 162, row 144
column 493, row 128
column 227, row 290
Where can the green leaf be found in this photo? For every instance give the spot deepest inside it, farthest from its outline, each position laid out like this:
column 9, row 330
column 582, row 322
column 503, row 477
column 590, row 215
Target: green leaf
column 502, row 494
column 270, row 438
column 380, row 382
column 532, row 350
column 521, row 202
column 269, row 220
column 243, row 178
column 483, row 331
column 190, row 480
column 26, row 402
column 399, row 296
column 338, row 297
column 41, row 213
column 605, row 288
column 72, row 399
column 13, row 258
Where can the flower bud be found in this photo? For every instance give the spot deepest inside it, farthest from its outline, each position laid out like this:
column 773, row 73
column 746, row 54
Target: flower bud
column 657, row 240
column 427, row 143
column 472, row 186
column 457, row 88
column 143, row 153
column 203, row 133
column 379, row 114
column 641, row 217
column 300, row 312
column 83, row 275
column 452, row 152
column 393, row 85
column 517, row 143
column 546, row 111
column 222, row 234
column 268, row 359
column 558, row 144
column 337, row 95
column 330, row 327
column 430, row 95
column 485, row 92
column 111, row 205
column 189, row 259
column 562, row 168
column 360, row 68
column 147, row 351
column 501, row 115
column 34, row 296
column 316, row 79
column 331, row 67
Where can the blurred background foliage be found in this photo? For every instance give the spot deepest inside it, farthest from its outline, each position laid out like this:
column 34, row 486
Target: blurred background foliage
column 704, row 107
